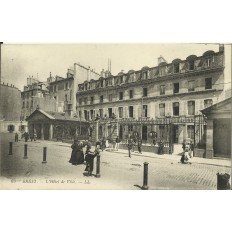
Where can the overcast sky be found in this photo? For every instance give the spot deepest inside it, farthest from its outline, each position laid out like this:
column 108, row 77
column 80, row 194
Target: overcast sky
column 20, row 61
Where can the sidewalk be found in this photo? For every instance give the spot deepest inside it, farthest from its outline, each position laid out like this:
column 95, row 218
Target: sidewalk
column 176, row 158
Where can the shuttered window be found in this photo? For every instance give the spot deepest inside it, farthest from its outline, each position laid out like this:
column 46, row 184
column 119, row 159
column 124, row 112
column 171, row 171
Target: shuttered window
column 191, row 107
column 162, row 109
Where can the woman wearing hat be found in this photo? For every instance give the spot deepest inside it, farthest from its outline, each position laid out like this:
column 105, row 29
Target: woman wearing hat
column 77, row 156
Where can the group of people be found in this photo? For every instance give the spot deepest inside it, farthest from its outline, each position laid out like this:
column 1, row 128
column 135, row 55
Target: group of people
column 26, row 136
column 132, row 142
column 187, row 154
column 78, row 156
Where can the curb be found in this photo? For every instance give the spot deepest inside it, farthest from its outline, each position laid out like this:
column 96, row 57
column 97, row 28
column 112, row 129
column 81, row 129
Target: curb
column 148, row 156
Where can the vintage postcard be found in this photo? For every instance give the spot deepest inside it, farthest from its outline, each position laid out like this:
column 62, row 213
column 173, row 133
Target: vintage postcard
column 115, row 116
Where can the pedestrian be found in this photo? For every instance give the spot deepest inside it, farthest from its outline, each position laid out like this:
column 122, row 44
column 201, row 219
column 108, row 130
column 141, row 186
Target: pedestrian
column 161, row 148
column 77, row 155
column 26, row 136
column 140, row 145
column 89, row 158
column 117, row 141
column 183, row 145
column 191, row 149
column 129, row 145
column 16, row 137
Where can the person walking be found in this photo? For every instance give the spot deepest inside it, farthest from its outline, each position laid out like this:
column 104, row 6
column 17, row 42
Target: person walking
column 77, row 155
column 16, row 137
column 26, row 136
column 140, row 145
column 129, row 145
column 117, row 141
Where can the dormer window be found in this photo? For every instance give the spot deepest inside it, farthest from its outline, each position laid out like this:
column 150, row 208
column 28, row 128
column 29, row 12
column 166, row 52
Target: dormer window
column 121, row 79
column 191, row 65
column 176, row 68
column 209, row 61
column 144, row 75
column 102, row 83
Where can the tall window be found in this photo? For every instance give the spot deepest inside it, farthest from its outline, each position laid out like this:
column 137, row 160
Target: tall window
column 91, row 100
column 208, row 83
column 120, row 112
column 131, row 94
column 121, row 79
column 120, row 95
column 91, row 114
column 162, row 89
column 176, row 108
column 101, row 113
column 86, row 101
column 85, row 115
column 191, row 107
column 162, row 109
column 208, row 103
column 190, row 131
column 176, row 68
column 110, row 112
column 176, row 87
column 101, row 99
column 110, row 97
column 131, row 109
column 144, row 92
column 80, row 101
column 191, row 65
column 191, row 86
column 144, row 110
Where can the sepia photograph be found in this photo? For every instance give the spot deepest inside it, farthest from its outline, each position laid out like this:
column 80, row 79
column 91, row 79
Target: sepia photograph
column 115, row 116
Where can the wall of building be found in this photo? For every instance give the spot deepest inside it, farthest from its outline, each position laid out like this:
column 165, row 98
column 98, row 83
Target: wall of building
column 10, row 104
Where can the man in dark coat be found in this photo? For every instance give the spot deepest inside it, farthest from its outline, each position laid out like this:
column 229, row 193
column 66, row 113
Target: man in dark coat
column 16, row 137
column 140, row 145
column 77, row 156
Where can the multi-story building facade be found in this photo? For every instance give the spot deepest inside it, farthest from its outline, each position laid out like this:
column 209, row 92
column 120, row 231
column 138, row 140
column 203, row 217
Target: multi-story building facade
column 178, row 89
column 35, row 94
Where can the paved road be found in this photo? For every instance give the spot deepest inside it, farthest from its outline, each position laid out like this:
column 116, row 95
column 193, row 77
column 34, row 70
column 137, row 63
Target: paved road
column 118, row 171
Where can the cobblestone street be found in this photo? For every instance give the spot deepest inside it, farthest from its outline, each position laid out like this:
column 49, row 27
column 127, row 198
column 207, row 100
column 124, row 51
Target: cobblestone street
column 118, row 171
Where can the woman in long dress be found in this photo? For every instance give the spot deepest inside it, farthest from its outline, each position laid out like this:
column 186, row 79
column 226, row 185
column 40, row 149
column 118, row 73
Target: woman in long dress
column 77, row 156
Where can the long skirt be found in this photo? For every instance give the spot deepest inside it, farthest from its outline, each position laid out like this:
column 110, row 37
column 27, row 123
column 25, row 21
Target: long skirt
column 77, row 157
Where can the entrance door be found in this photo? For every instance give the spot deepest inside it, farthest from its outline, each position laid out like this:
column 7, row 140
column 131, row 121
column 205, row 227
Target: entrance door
column 175, row 134
column 222, row 138
column 46, row 131
column 144, row 133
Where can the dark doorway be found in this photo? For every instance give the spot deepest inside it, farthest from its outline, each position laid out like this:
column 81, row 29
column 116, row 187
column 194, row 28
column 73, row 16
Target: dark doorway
column 46, row 131
column 110, row 112
column 144, row 133
column 175, row 134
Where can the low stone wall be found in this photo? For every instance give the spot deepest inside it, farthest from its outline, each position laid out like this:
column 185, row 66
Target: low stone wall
column 152, row 149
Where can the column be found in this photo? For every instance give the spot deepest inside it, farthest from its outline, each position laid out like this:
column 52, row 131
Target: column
column 209, row 139
column 96, row 128
column 51, row 132
column 42, row 131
